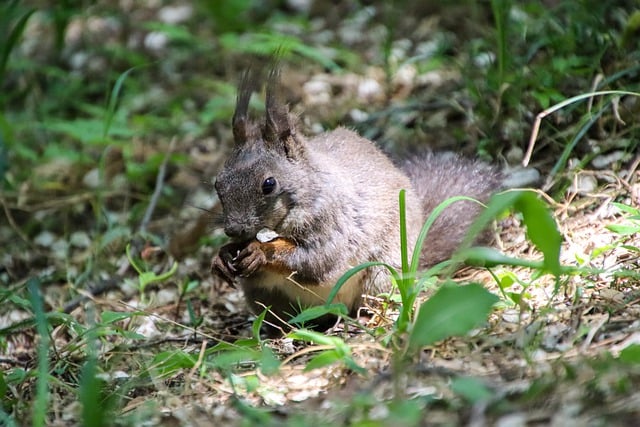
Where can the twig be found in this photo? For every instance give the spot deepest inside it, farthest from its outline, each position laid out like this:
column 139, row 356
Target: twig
column 158, row 189
column 62, row 201
column 13, row 224
column 560, row 105
column 101, row 288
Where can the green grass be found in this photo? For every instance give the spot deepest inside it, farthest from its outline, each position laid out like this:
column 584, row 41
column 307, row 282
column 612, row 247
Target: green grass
column 57, row 124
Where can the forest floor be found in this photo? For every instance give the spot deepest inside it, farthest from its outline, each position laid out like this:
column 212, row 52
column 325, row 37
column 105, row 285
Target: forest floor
column 120, row 278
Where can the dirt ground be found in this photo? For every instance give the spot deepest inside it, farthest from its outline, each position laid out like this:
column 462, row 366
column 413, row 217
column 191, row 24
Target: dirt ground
column 566, row 354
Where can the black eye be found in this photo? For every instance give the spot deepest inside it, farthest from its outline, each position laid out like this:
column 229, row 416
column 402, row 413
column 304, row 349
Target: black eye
column 268, row 185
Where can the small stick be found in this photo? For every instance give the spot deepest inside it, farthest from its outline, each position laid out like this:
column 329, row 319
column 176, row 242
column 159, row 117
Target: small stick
column 560, row 105
column 158, row 189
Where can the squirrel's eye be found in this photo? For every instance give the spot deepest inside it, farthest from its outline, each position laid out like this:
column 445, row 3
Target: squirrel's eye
column 268, row 185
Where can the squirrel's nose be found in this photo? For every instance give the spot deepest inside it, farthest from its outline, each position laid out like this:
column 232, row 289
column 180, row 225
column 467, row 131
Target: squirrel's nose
column 234, row 230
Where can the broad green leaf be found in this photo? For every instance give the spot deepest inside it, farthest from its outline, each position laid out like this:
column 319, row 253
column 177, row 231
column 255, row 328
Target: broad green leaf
column 315, row 337
column 269, row 363
column 631, row 354
column 168, row 362
column 227, row 360
column 624, row 230
column 541, row 229
column 325, row 358
column 628, row 209
column 452, row 310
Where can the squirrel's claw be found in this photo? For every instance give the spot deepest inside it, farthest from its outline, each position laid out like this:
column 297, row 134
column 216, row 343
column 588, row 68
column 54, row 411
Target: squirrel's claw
column 223, row 264
column 250, row 259
column 224, row 269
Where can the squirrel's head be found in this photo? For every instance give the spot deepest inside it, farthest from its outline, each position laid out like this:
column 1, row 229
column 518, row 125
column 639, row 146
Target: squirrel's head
column 257, row 185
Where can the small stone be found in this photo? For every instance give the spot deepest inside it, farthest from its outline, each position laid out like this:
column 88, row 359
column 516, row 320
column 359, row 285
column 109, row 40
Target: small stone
column 605, row 160
column 317, row 92
column 584, row 184
column 92, row 179
column 80, row 239
column 370, row 90
column 156, row 41
column 175, row 14
column 45, row 239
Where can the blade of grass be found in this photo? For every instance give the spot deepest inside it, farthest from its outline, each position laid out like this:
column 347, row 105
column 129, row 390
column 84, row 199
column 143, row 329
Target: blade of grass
column 568, row 149
column 560, row 105
column 14, row 35
column 358, row 268
column 112, row 104
column 403, row 233
column 415, row 259
column 42, row 392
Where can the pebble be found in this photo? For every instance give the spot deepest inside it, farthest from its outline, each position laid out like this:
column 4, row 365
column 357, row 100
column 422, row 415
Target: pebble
column 175, row 14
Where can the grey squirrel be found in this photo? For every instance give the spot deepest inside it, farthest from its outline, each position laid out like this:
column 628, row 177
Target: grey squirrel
column 328, row 203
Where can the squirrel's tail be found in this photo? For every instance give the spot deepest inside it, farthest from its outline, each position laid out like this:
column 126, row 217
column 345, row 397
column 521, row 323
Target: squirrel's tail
column 437, row 177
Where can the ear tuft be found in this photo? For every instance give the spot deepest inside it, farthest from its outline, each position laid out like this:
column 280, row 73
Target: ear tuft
column 279, row 131
column 240, row 122
column 278, row 125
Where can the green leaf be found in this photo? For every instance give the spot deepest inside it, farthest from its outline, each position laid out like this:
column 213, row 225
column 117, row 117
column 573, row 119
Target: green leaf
column 626, row 208
column 269, row 363
column 314, row 312
column 115, row 316
column 168, row 362
column 228, row 360
column 316, row 338
column 41, row 400
column 175, row 33
column 94, row 413
column 325, row 358
column 355, row 270
column 433, row 216
column 624, row 230
column 11, row 40
column 257, row 325
column 541, row 229
column 481, row 256
column 112, row 104
column 452, row 310
column 471, row 389
column 3, row 386
column 631, row 354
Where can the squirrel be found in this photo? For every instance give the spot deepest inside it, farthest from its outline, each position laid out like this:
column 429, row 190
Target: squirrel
column 329, row 203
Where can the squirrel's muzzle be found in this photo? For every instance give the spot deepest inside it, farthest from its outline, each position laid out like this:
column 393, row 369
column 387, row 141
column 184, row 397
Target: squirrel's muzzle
column 237, row 232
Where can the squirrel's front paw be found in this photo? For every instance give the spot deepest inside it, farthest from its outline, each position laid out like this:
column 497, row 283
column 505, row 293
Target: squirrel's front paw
column 250, row 259
column 223, row 264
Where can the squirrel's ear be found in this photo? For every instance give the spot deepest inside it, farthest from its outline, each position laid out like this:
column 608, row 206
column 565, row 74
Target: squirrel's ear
column 279, row 131
column 240, row 122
